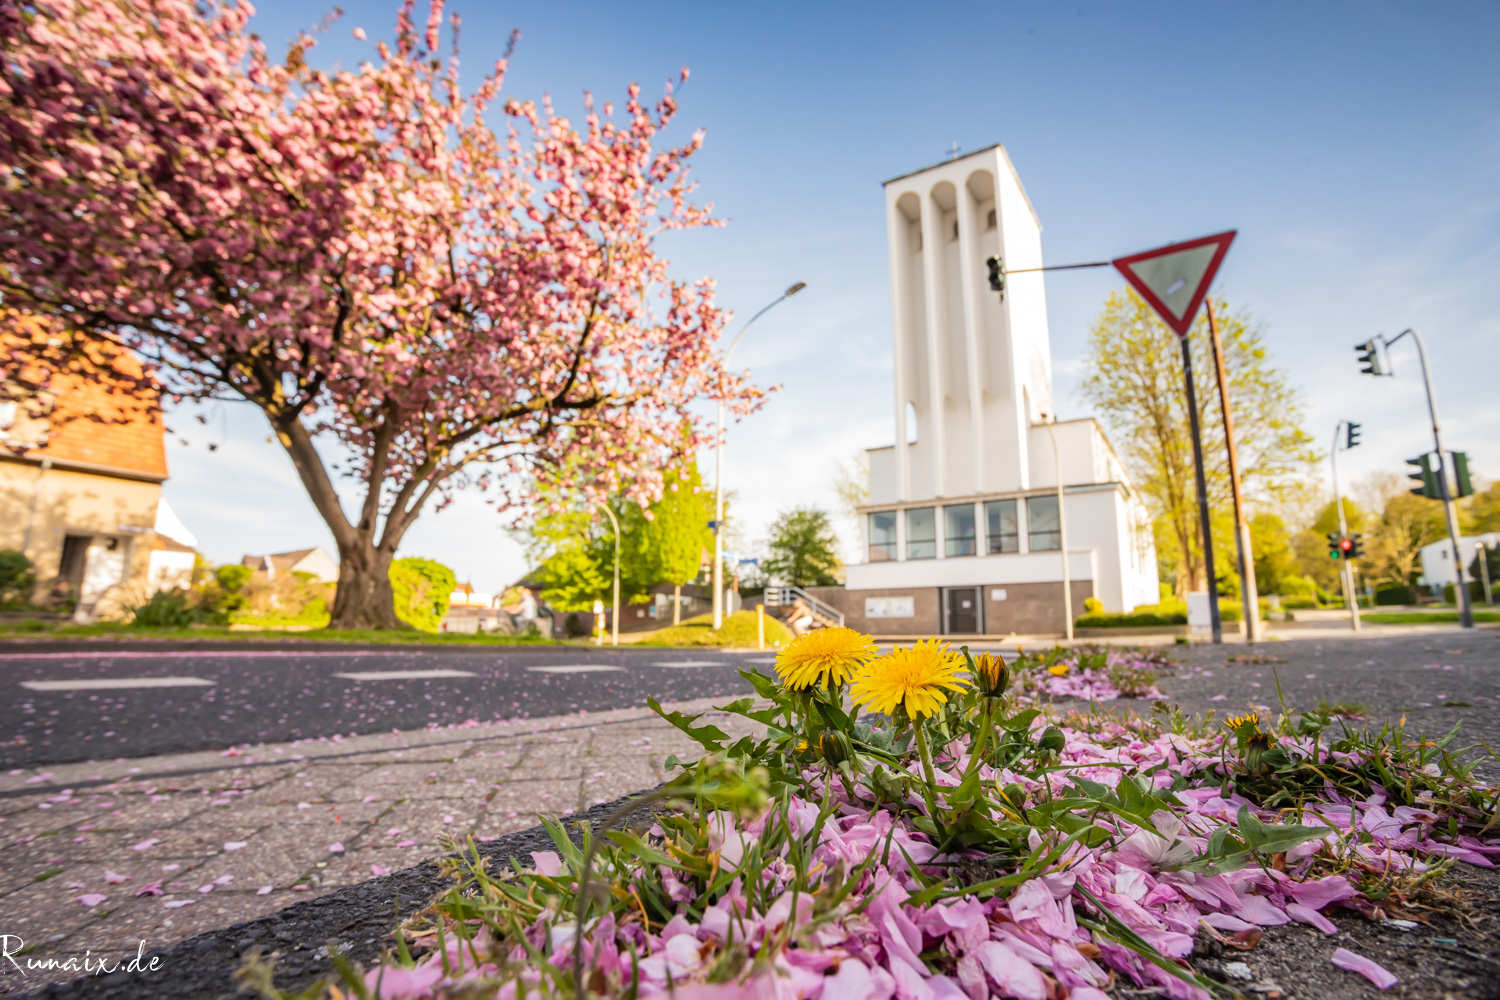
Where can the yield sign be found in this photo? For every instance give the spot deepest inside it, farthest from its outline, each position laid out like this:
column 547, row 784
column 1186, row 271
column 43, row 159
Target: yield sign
column 1175, row 278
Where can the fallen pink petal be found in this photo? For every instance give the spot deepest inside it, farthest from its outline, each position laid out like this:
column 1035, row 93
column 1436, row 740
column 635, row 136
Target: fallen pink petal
column 1372, row 971
column 91, row 898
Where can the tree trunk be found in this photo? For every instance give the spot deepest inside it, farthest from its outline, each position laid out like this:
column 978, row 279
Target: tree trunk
column 676, row 604
column 364, row 598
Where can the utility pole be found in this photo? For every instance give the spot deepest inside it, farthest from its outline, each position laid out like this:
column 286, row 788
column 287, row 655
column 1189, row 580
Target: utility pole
column 1242, row 547
column 718, row 570
column 1346, row 573
column 614, row 617
column 1062, row 529
column 1203, row 519
column 1371, row 358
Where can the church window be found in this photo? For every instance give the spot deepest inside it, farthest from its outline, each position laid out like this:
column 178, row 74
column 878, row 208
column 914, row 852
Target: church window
column 921, row 534
column 1001, row 532
column 1044, row 531
column 991, row 221
column 883, row 536
column 954, row 238
column 958, row 530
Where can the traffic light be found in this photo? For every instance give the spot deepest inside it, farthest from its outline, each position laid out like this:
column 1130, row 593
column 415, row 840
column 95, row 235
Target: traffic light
column 1356, row 548
column 996, row 264
column 1426, row 475
column 1335, row 545
column 1369, row 356
column 1346, row 548
column 1352, row 430
column 1461, row 474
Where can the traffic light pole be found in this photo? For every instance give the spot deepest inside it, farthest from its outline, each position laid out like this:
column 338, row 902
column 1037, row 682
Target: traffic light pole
column 1203, row 518
column 1346, row 575
column 1466, row 610
column 1248, row 591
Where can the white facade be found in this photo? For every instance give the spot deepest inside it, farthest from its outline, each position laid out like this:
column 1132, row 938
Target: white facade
column 1437, row 558
column 973, row 405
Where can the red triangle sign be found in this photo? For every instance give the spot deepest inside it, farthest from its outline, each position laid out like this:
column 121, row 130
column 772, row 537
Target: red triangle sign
column 1174, row 279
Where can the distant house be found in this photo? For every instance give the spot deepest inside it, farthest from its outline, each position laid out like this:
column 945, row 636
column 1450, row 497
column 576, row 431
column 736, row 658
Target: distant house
column 1437, row 559
column 173, row 552
column 469, row 611
column 81, row 470
column 320, row 564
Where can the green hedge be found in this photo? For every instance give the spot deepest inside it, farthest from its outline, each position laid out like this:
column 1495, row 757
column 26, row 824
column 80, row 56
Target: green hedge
column 1132, row 620
column 1396, row 593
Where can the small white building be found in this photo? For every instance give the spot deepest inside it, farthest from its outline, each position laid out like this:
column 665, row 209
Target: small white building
column 1437, row 558
column 173, row 552
column 961, row 532
column 322, row 566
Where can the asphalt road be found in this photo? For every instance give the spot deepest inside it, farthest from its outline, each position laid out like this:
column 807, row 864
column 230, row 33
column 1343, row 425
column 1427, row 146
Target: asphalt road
column 1433, row 679
column 53, row 711
column 62, row 706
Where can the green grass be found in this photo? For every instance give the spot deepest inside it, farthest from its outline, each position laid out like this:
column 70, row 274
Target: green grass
column 739, row 630
column 115, row 630
column 1423, row 617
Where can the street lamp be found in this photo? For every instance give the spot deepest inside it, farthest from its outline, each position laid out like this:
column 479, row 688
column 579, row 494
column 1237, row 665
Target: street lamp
column 614, row 618
column 718, row 573
column 1062, row 525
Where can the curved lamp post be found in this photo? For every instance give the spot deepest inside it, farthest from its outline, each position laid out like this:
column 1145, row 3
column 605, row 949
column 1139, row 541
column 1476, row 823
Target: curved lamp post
column 614, row 617
column 718, row 574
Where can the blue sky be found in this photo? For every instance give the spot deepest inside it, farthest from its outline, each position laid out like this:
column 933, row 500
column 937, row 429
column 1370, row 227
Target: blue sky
column 1355, row 146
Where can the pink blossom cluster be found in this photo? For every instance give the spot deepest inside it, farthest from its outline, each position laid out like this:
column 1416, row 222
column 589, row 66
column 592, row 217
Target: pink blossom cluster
column 1031, row 945
column 362, row 254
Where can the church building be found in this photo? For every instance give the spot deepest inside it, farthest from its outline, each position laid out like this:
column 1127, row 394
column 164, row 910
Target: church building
column 961, row 534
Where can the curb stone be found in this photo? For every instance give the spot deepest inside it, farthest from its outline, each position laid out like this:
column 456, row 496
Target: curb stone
column 357, row 919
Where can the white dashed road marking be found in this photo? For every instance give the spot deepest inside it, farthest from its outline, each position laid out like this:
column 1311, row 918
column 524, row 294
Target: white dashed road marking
column 111, row 683
column 573, row 668
column 402, row 675
column 688, row 663
column 761, row 659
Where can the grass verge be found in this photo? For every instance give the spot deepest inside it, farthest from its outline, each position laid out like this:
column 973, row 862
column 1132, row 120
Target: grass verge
column 739, row 629
column 34, row 629
column 1423, row 617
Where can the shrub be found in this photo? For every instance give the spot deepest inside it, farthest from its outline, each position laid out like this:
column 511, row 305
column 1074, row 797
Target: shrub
column 1093, row 606
column 422, row 588
column 233, row 577
column 166, row 609
column 16, row 576
column 1395, row 593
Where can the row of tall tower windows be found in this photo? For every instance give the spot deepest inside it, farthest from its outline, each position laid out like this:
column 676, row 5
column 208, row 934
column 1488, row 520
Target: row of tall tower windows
column 1000, row 519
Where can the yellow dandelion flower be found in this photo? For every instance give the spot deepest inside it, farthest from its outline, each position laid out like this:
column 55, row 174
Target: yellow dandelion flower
column 824, row 657
column 1058, row 670
column 915, row 678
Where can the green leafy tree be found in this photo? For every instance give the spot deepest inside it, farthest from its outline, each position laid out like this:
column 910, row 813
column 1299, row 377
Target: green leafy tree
column 1481, row 512
column 1136, row 385
column 422, row 588
column 803, row 549
column 1275, row 562
column 675, row 535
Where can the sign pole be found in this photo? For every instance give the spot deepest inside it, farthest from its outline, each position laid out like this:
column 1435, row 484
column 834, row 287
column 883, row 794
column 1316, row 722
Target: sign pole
column 1203, row 518
column 1248, row 590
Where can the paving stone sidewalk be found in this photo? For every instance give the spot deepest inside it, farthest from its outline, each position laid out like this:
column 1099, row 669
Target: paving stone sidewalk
column 97, row 857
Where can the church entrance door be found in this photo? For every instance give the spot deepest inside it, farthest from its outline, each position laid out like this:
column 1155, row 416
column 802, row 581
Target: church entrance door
column 961, row 613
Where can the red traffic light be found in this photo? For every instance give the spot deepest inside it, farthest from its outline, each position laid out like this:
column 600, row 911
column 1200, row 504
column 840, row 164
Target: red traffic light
column 1345, row 544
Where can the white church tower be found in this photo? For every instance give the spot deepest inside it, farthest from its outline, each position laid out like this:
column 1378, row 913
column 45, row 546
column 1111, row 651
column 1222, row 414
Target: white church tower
column 961, row 533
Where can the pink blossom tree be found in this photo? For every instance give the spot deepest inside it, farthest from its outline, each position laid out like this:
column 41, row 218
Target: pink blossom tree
column 397, row 285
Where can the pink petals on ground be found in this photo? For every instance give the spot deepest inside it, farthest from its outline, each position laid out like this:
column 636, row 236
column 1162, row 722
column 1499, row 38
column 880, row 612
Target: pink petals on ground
column 235, row 845
column 1318, row 893
column 379, row 870
column 150, row 889
column 173, row 904
column 1013, row 975
column 115, row 878
column 1372, row 971
column 90, row 898
column 337, row 847
column 145, row 845
column 265, row 890
column 1308, row 915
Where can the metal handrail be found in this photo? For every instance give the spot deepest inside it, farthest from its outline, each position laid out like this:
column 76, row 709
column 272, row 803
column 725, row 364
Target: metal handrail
column 785, row 596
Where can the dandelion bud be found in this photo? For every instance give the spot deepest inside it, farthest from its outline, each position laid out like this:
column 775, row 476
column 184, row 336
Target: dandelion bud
column 1052, row 740
column 834, row 746
column 991, row 675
